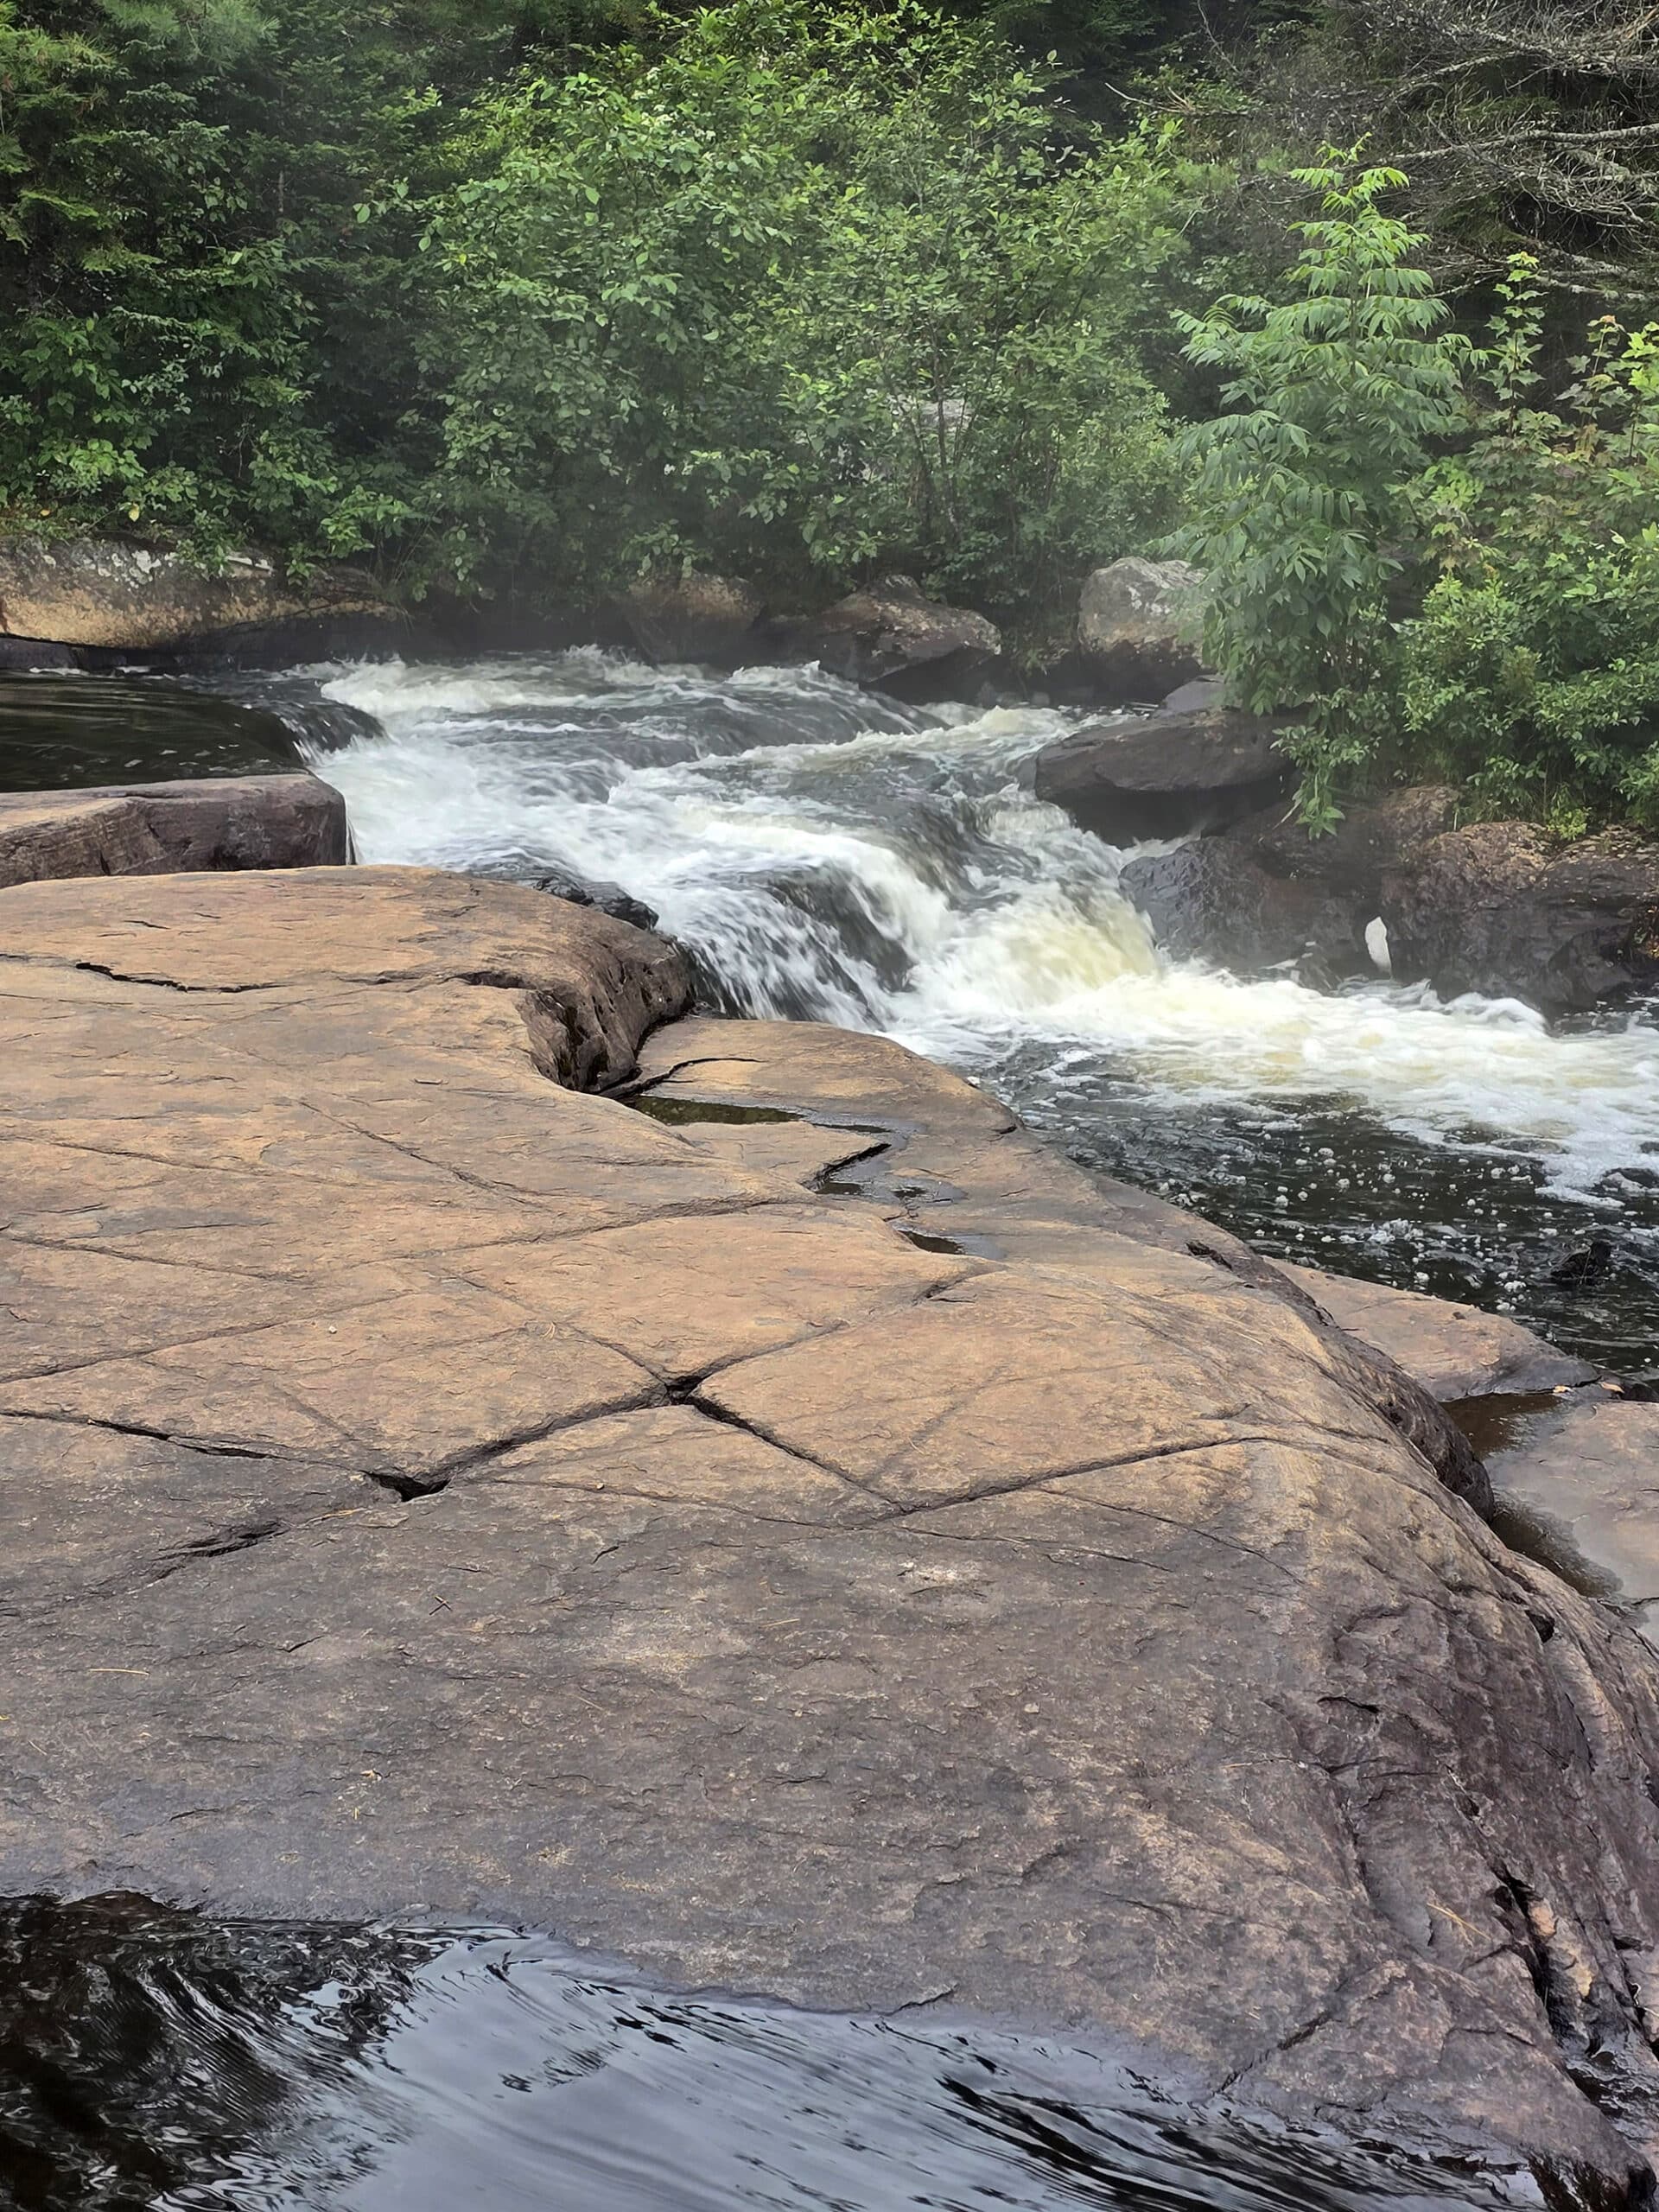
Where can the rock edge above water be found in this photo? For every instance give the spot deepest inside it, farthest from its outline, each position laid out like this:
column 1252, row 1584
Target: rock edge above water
column 432, row 1487
column 228, row 821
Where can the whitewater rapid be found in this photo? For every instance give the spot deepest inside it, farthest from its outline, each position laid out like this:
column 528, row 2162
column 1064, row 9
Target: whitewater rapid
column 834, row 857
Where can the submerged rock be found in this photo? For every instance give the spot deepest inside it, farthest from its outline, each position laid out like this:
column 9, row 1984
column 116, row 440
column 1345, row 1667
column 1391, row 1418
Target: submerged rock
column 1164, row 775
column 857, row 1557
column 225, row 822
column 1131, row 629
column 1504, row 909
column 893, row 638
column 1589, row 1468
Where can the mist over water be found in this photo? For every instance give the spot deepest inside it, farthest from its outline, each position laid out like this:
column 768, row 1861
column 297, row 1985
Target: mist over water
column 834, row 857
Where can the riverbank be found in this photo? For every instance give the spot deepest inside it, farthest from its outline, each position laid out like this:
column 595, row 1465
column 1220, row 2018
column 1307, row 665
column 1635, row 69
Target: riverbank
column 434, row 1486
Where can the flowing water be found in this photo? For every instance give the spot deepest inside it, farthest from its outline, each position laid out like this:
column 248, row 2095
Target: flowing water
column 834, row 857
column 150, row 2060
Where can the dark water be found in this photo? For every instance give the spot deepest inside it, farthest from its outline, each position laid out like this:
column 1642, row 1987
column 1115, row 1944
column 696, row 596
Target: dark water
column 1333, row 1186
column 150, row 2060
column 67, row 732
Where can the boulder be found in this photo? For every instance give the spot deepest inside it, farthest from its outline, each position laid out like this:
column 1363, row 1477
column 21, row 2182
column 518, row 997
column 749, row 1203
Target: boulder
column 609, row 898
column 1263, row 891
column 1504, row 909
column 227, row 822
column 1350, row 861
column 811, row 1540
column 1208, row 900
column 1454, row 1352
column 892, row 638
column 1164, row 775
column 693, row 617
column 94, row 593
column 1133, row 628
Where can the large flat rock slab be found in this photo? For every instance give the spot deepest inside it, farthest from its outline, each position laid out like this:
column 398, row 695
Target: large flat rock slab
column 850, row 1555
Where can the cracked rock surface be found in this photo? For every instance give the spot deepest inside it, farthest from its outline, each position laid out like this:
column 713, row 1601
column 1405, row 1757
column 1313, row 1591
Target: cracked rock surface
column 854, row 1556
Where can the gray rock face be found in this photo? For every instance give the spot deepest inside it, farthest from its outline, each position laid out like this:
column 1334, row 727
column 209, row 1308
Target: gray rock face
column 1264, row 891
column 893, row 639
column 1164, row 775
column 1210, row 900
column 697, row 617
column 98, row 593
column 228, row 821
column 1130, row 628
column 432, row 1487
column 1502, row 909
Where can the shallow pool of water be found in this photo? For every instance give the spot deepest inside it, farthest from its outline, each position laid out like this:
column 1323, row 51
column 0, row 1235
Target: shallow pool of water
column 60, row 731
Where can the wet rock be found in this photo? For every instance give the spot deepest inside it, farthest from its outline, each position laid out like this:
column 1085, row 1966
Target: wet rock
column 1454, row 1352
column 694, row 618
column 1373, row 837
column 1504, row 909
column 227, row 821
column 33, row 653
column 1262, row 892
column 892, row 638
column 99, row 592
column 1131, row 629
column 433, row 1487
column 1589, row 1468
column 1164, row 775
column 609, row 898
column 1210, row 900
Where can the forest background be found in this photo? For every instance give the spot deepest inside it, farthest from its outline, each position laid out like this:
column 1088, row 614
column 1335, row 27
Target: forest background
column 1350, row 301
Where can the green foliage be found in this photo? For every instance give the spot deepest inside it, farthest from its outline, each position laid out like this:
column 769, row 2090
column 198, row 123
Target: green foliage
column 814, row 289
column 792, row 287
column 198, row 339
column 1532, row 676
column 1297, row 495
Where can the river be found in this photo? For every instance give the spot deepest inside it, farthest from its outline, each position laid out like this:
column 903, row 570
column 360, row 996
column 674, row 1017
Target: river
column 149, row 2059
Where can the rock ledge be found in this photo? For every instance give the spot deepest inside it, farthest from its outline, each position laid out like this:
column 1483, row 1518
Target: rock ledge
column 430, row 1488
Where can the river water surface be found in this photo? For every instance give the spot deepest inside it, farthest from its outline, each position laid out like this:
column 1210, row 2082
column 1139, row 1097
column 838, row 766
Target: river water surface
column 150, row 2060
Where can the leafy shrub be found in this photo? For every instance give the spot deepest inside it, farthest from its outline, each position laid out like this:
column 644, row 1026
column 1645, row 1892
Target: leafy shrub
column 815, row 287
column 1297, row 496
column 1532, row 676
